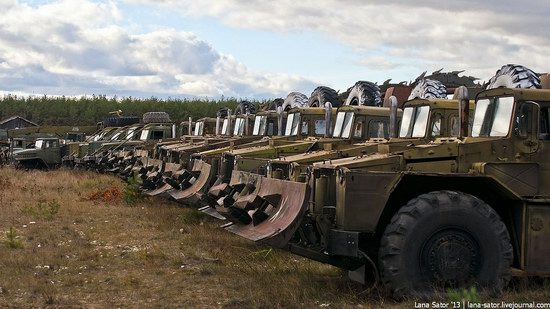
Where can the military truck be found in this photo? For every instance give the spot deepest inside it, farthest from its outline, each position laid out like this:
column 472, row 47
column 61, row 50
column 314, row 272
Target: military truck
column 423, row 120
column 46, row 153
column 232, row 135
column 453, row 213
column 215, row 166
column 191, row 133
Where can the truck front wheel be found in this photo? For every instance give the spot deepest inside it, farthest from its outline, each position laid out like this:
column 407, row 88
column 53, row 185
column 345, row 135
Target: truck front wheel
column 443, row 240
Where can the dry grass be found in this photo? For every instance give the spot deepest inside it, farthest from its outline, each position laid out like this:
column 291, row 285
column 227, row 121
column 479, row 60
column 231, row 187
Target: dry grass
column 83, row 246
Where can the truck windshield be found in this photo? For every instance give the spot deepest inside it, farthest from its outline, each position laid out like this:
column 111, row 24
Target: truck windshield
column 116, row 136
column 225, row 126
column 492, row 117
column 259, row 125
column 144, row 135
column 130, row 133
column 414, row 121
column 98, row 137
column 292, row 123
column 199, row 127
column 239, row 127
column 342, row 128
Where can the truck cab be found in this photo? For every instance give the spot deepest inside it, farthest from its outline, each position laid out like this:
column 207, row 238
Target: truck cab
column 46, row 153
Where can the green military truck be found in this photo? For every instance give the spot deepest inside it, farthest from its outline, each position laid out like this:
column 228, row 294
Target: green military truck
column 423, row 120
column 457, row 212
column 46, row 153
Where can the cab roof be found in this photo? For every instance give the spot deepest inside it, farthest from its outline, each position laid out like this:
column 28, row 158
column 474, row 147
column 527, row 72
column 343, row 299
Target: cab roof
column 368, row 110
column 519, row 93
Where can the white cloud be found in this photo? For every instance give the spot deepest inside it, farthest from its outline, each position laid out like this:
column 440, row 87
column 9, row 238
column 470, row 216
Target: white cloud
column 81, row 47
column 465, row 35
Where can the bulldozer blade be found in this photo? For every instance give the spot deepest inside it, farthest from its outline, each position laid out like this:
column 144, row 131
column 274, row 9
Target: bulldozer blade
column 191, row 196
column 280, row 210
column 165, row 187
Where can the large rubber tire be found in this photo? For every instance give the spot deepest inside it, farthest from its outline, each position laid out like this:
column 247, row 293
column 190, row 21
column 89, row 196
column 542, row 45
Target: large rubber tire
column 120, row 121
column 323, row 94
column 222, row 112
column 272, row 105
column 441, row 240
column 156, row 117
column 243, row 107
column 429, row 89
column 364, row 93
column 295, row 99
column 514, row 76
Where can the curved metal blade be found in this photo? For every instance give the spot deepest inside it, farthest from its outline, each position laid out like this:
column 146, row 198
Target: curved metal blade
column 279, row 222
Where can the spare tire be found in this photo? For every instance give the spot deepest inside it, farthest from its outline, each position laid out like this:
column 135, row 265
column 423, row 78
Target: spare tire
column 222, row 112
column 323, row 94
column 120, row 121
column 429, row 89
column 364, row 93
column 244, row 106
column 156, row 117
column 272, row 105
column 514, row 76
column 295, row 99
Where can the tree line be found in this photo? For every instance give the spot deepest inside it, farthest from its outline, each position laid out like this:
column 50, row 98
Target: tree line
column 69, row 111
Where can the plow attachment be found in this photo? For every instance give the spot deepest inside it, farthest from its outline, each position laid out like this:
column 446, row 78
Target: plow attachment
column 194, row 184
column 171, row 171
column 263, row 209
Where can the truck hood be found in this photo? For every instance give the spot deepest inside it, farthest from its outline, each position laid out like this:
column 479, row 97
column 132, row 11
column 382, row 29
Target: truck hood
column 25, row 154
column 398, row 160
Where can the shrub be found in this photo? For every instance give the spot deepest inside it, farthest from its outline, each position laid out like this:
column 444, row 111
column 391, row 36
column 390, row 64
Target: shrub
column 130, row 193
column 12, row 241
column 43, row 210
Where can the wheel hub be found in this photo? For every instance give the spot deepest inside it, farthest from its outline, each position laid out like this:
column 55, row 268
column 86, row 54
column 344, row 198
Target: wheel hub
column 451, row 258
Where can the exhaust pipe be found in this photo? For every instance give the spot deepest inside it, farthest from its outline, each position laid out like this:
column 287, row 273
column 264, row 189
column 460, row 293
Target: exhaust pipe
column 229, row 130
column 393, row 116
column 190, row 126
column 461, row 94
column 246, row 122
column 328, row 119
column 280, row 120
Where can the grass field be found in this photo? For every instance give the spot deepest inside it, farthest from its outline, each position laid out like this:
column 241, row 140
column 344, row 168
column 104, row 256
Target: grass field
column 71, row 239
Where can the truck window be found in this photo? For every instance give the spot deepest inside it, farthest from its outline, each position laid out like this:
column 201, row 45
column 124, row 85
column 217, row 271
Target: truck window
column 436, row 125
column 378, row 128
column 199, row 127
column 239, row 127
column 492, row 117
column 157, row 134
column 259, row 125
column 421, row 121
column 524, row 120
column 144, row 134
column 224, row 126
column 358, row 128
column 130, row 134
column 406, row 122
column 544, row 124
column 292, row 124
column 270, row 128
column 320, row 127
column 342, row 127
column 305, row 128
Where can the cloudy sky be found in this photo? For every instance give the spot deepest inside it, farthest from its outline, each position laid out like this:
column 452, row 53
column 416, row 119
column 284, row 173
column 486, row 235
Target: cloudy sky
column 258, row 48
